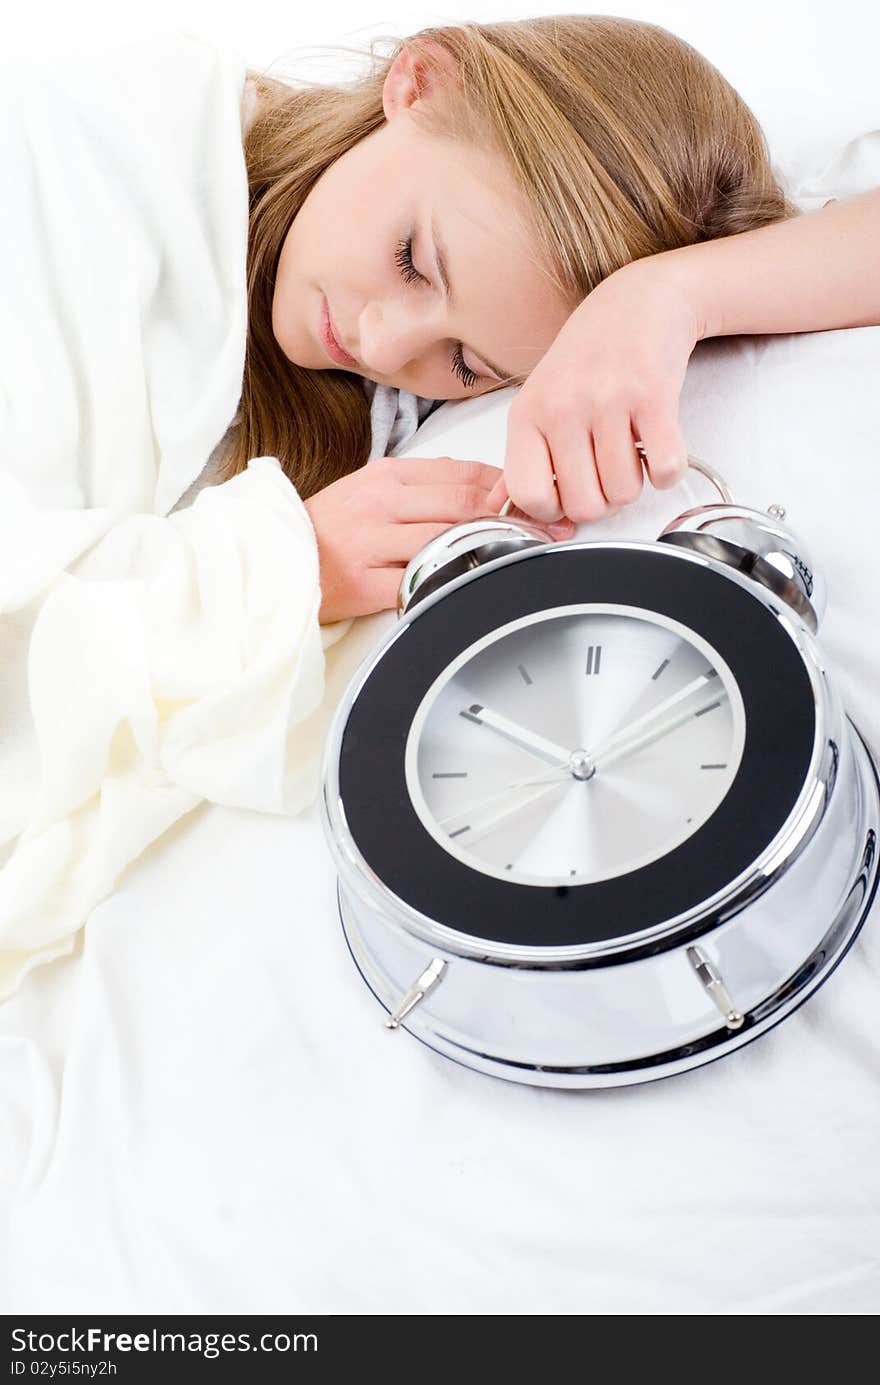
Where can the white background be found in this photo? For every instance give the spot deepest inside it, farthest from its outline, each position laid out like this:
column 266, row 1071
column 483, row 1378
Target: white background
column 232, row 1132
column 808, row 68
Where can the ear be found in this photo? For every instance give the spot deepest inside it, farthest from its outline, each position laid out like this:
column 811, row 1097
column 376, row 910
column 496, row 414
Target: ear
column 411, row 77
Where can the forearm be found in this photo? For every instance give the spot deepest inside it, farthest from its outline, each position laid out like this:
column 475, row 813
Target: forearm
column 812, row 273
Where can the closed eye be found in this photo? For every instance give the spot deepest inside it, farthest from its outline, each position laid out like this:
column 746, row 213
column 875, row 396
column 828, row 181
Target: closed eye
column 404, row 260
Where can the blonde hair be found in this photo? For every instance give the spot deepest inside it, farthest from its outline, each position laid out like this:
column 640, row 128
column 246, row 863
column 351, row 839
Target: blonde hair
column 624, row 140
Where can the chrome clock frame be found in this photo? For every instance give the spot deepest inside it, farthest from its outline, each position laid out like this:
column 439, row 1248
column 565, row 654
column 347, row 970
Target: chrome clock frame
column 648, row 1005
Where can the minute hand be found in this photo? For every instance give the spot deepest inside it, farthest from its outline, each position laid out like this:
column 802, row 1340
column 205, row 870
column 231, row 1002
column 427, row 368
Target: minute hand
column 659, row 716
column 661, row 727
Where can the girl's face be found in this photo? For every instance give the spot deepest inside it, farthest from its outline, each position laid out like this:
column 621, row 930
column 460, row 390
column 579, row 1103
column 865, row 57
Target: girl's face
column 366, row 240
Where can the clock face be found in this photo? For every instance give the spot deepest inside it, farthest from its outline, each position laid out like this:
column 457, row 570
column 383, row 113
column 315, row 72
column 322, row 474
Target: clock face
column 575, row 745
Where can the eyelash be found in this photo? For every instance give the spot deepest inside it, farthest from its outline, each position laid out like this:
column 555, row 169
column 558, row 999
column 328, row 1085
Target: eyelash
column 403, row 259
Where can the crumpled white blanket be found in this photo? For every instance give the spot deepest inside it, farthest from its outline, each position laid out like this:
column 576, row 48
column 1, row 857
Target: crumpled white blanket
column 146, row 662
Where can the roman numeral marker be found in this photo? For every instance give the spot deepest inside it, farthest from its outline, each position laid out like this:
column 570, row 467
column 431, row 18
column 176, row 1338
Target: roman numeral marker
column 594, row 655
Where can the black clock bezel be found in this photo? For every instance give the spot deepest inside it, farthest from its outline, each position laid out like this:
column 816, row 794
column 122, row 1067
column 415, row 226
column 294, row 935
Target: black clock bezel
column 779, row 704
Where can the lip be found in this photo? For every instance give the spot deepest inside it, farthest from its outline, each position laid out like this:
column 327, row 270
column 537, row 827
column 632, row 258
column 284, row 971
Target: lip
column 329, row 339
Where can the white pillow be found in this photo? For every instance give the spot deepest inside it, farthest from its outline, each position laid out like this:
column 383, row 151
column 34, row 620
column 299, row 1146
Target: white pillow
column 855, row 168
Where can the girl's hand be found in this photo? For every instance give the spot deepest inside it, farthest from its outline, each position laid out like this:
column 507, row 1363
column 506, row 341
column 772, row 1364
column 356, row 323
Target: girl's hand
column 612, row 377
column 370, row 523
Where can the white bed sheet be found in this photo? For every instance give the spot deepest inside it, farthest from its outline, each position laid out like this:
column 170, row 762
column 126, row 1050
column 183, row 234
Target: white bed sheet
column 202, row 1109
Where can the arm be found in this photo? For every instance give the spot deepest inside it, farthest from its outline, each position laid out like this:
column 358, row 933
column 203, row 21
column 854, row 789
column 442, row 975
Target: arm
column 174, row 660
column 614, row 373
column 811, row 273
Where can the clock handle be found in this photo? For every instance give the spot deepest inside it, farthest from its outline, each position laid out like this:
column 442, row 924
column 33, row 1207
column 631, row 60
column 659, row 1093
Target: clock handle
column 708, row 471
column 712, row 475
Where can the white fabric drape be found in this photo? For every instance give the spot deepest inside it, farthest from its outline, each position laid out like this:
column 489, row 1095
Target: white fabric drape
column 147, row 661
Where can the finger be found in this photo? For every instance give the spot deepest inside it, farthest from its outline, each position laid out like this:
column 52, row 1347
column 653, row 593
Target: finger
column 557, row 528
column 528, row 472
column 420, row 471
column 497, row 497
column 454, row 503
column 577, row 478
column 618, row 464
column 665, row 453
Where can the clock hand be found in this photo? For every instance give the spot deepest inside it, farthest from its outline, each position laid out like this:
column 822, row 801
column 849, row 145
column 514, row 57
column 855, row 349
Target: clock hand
column 478, row 827
column 623, row 733
column 463, row 817
column 520, row 735
column 621, row 746
column 475, row 822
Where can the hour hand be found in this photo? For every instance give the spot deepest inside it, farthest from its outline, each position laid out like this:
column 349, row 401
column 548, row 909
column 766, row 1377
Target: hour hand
column 519, row 735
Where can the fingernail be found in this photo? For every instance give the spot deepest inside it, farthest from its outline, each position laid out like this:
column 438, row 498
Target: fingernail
column 562, row 529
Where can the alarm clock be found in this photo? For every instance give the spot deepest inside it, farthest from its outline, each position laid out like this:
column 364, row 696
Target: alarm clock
column 597, row 812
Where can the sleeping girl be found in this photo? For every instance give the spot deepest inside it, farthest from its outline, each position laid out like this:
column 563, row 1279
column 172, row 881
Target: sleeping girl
column 565, row 204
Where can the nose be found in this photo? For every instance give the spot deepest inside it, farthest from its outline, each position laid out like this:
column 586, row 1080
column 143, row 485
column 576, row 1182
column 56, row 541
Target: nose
column 393, row 333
